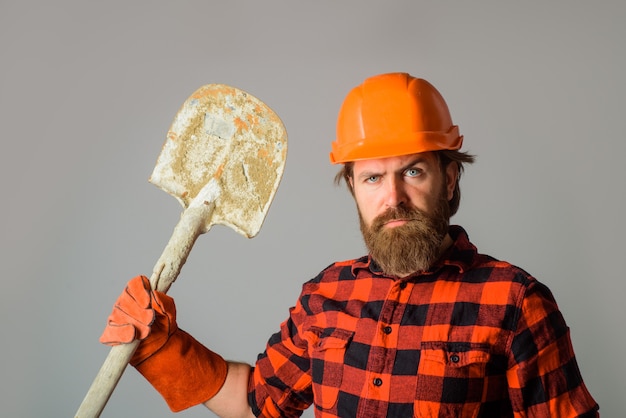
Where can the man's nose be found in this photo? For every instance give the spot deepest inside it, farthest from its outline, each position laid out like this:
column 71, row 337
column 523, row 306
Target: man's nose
column 396, row 193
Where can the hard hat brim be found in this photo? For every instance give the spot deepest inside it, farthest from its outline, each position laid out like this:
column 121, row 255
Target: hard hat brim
column 413, row 143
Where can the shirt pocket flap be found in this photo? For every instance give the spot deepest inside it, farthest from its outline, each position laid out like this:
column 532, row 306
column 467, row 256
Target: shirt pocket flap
column 331, row 338
column 455, row 355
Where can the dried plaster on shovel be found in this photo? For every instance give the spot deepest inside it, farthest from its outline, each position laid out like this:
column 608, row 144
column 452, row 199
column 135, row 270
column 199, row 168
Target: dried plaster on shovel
column 223, row 160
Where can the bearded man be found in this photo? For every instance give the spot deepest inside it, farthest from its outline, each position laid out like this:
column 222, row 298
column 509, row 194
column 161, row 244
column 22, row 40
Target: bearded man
column 423, row 325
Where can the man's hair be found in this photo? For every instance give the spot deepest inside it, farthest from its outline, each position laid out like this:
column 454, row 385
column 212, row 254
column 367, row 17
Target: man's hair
column 445, row 157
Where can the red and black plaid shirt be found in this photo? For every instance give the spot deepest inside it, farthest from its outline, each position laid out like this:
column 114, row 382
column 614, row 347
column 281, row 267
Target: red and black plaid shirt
column 472, row 337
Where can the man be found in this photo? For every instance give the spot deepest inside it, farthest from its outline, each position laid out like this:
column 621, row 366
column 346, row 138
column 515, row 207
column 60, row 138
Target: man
column 423, row 326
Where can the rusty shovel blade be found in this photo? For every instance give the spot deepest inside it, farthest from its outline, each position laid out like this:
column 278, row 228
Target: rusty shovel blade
column 223, row 160
column 226, row 145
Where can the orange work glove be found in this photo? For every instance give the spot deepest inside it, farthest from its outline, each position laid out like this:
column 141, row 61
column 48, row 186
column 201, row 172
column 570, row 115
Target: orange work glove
column 182, row 370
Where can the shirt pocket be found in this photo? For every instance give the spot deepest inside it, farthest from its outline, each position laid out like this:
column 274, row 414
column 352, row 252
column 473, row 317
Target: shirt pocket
column 327, row 363
column 451, row 379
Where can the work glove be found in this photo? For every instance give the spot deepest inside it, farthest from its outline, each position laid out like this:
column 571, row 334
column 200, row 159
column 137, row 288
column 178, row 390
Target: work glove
column 182, row 370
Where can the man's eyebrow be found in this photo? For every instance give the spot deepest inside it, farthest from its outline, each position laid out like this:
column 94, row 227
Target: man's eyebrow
column 368, row 174
column 412, row 163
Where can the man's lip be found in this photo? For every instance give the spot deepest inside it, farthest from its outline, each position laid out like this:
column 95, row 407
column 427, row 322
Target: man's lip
column 396, row 222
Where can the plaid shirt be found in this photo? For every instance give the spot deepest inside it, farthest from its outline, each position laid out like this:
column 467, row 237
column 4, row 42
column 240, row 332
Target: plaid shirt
column 472, row 337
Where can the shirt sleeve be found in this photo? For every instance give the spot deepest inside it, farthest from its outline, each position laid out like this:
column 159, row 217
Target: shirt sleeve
column 543, row 376
column 280, row 384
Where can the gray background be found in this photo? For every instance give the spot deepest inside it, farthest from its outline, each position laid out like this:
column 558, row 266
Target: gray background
column 89, row 89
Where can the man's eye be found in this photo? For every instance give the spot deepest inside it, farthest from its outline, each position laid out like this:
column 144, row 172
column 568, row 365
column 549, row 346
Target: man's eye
column 413, row 172
column 372, row 179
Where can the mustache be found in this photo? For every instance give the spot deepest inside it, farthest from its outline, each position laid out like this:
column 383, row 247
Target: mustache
column 398, row 213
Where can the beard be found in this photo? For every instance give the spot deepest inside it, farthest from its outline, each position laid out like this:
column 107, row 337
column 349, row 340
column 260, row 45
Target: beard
column 409, row 248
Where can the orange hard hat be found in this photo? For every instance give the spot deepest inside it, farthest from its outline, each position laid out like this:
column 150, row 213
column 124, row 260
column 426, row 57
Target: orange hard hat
column 390, row 115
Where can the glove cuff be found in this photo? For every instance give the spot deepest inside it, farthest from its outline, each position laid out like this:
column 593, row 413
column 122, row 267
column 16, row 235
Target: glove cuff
column 184, row 372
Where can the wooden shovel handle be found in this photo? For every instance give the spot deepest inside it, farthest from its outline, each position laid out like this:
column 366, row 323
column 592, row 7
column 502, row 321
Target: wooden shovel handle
column 106, row 380
column 192, row 224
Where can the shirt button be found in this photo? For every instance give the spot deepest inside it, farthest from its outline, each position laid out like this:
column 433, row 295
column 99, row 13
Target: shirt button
column 403, row 285
column 378, row 381
column 387, row 330
column 454, row 358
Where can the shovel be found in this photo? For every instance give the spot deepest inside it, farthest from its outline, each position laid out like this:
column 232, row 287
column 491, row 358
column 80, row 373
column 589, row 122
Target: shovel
column 223, row 160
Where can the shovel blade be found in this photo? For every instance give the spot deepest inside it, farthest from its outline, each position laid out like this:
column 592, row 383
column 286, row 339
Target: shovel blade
column 228, row 148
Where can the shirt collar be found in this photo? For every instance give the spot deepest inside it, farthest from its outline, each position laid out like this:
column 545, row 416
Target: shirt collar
column 461, row 253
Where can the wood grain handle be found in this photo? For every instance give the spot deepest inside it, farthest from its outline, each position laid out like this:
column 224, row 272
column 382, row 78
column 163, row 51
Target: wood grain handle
column 193, row 222
column 107, row 378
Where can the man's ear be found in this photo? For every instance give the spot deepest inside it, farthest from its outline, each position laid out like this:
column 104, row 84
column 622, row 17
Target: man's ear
column 452, row 175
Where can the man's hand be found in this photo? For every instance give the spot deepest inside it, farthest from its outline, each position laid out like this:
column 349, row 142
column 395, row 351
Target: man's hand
column 185, row 372
column 143, row 314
